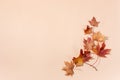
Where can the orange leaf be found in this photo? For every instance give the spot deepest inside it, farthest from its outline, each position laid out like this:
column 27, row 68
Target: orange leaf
column 99, row 37
column 82, row 58
column 88, row 30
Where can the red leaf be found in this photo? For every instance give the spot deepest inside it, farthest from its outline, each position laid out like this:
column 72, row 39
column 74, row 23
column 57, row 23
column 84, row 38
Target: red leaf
column 104, row 52
column 101, row 51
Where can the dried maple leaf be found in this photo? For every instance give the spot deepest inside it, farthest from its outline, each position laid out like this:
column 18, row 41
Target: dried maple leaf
column 101, row 51
column 86, row 56
column 88, row 44
column 78, row 61
column 69, row 68
column 99, row 37
column 82, row 58
column 88, row 30
column 93, row 22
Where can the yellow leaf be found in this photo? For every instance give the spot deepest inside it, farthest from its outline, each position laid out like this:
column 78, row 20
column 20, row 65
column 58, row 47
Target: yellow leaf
column 78, row 61
column 98, row 37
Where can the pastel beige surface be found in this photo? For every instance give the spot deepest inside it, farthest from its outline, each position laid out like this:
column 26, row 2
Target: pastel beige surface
column 37, row 36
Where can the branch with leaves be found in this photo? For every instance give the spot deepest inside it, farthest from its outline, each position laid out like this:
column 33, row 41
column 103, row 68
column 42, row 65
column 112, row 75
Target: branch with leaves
column 93, row 43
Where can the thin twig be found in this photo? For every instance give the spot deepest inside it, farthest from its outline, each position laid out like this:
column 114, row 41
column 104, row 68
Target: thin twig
column 91, row 66
column 96, row 60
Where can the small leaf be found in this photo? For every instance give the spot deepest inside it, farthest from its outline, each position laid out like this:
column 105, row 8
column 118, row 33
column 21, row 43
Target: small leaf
column 88, row 44
column 93, row 22
column 99, row 37
column 88, row 30
column 86, row 56
column 78, row 61
column 69, row 68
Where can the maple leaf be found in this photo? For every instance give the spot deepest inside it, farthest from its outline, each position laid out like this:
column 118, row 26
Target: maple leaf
column 86, row 56
column 88, row 30
column 101, row 51
column 98, row 36
column 69, row 68
column 88, row 44
column 82, row 58
column 93, row 22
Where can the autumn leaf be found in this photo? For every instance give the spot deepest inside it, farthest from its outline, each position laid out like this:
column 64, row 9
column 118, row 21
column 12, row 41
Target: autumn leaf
column 69, row 66
column 88, row 44
column 82, row 58
column 86, row 56
column 88, row 30
column 78, row 61
column 93, row 22
column 98, row 36
column 101, row 51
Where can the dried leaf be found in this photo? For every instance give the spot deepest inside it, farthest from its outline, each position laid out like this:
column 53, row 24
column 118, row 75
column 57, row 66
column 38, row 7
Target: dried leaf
column 101, row 51
column 78, row 61
column 86, row 56
column 82, row 58
column 99, row 37
column 88, row 30
column 93, row 22
column 88, row 44
column 69, row 68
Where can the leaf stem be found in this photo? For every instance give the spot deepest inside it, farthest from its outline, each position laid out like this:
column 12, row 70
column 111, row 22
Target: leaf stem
column 96, row 60
column 91, row 66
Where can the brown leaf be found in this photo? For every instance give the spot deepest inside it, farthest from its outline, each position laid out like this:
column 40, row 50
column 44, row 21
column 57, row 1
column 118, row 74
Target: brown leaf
column 93, row 22
column 88, row 30
column 69, row 66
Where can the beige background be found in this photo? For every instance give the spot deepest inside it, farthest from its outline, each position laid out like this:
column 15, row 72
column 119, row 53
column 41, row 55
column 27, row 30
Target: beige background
column 37, row 36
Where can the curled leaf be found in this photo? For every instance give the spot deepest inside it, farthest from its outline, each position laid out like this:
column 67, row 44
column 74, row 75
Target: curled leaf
column 94, row 22
column 69, row 66
column 88, row 30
